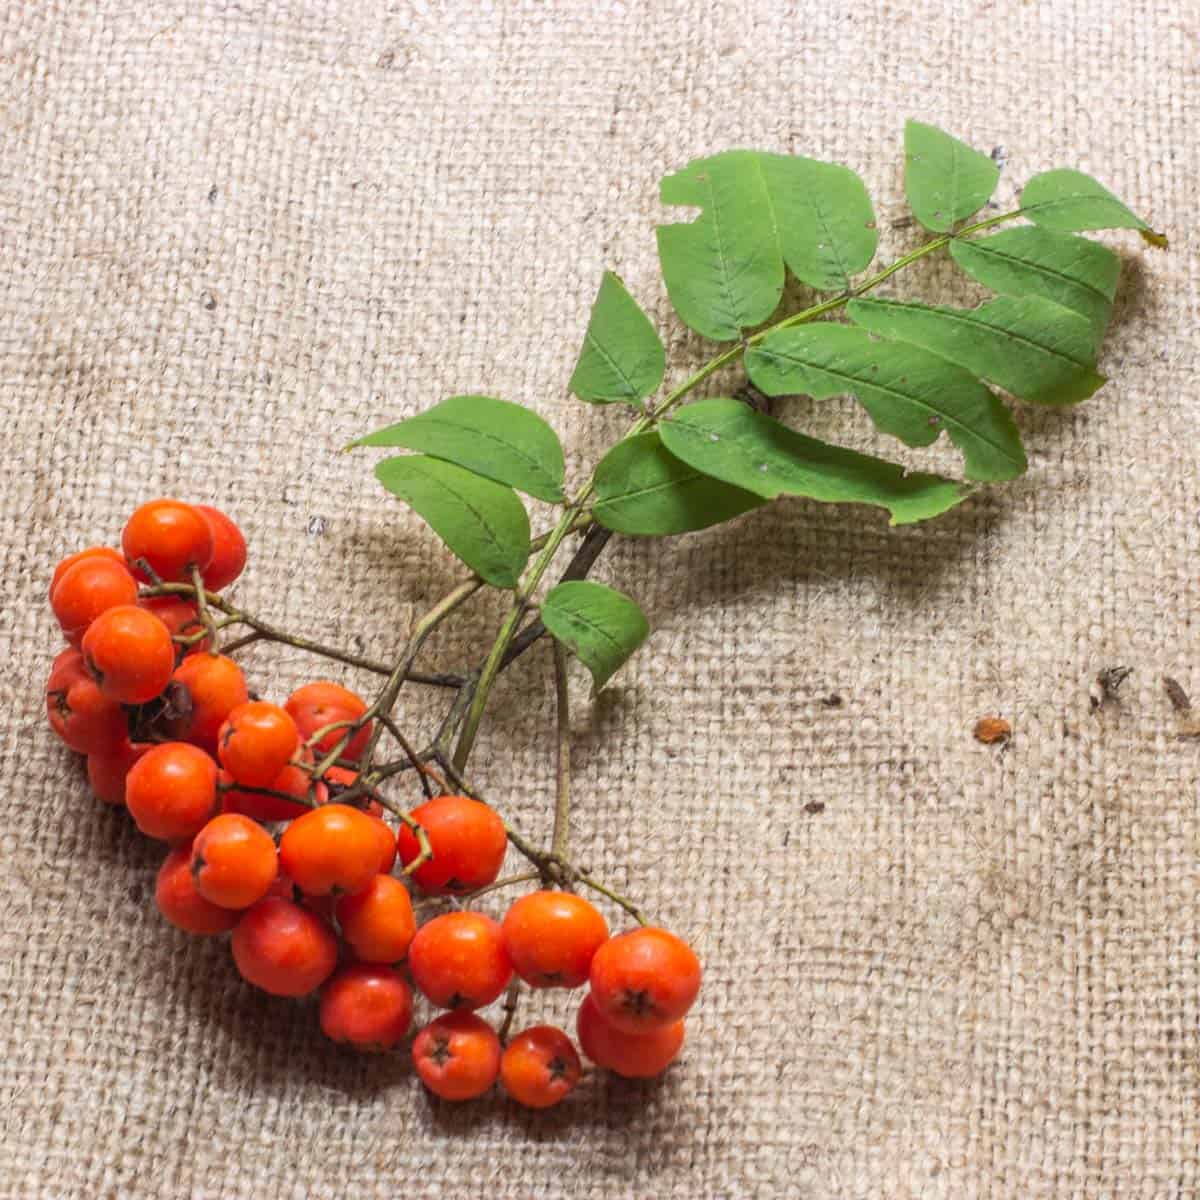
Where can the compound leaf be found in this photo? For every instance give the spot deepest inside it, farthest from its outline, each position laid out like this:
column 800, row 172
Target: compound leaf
column 482, row 522
column 909, row 392
column 729, row 440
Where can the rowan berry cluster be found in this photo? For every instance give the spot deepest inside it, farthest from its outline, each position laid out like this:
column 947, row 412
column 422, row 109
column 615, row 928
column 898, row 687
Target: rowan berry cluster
column 278, row 836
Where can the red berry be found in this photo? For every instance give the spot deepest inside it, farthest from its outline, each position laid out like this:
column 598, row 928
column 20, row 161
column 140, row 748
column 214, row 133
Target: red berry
column 367, row 1006
column 634, row 1055
column 108, row 768
column 171, row 791
column 457, row 960
column 234, row 861
column 177, row 899
column 317, row 705
column 540, row 1066
column 334, row 847
column 229, row 549
column 457, row 1056
column 256, row 742
column 551, row 938
column 82, row 716
column 171, row 537
column 283, row 948
column 468, row 840
column 205, row 689
column 129, row 653
column 90, row 587
column 378, row 922
column 644, row 979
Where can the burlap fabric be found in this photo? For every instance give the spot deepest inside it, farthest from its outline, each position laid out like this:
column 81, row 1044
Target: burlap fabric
column 236, row 234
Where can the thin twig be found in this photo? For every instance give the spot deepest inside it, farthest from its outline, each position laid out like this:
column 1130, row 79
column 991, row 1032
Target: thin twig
column 510, row 1009
column 562, row 800
column 409, row 753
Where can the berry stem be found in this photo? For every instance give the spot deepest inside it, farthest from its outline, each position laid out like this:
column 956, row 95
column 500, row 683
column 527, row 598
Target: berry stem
column 562, row 801
column 511, row 999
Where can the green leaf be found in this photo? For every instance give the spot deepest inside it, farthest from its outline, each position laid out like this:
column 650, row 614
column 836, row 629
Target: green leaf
column 641, row 488
column 599, row 624
column 622, row 357
column 909, row 392
column 1072, row 271
column 725, row 271
column 945, row 179
column 494, row 438
column 482, row 522
column 1069, row 201
column 1031, row 347
column 732, row 442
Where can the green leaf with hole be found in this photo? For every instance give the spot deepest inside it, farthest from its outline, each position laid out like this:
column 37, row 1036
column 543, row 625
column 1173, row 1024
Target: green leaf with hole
column 499, row 440
column 482, row 522
column 622, row 357
column 599, row 624
column 642, row 488
column 1071, row 202
column 1031, row 347
column 1072, row 271
column 732, row 442
column 945, row 179
column 725, row 270
column 909, row 392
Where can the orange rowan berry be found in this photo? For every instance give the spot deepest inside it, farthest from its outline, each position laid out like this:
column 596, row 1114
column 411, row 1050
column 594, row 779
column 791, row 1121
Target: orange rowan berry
column 205, row 689
column 540, row 1066
column 234, row 861
column 129, row 653
column 178, row 900
column 385, row 840
column 71, row 559
column 171, row 791
column 283, row 948
column 331, row 847
column 228, row 552
column 634, row 1055
column 181, row 617
column 291, row 779
column 468, row 840
column 256, row 741
column 378, row 922
column 171, row 537
column 108, row 769
column 317, row 705
column 457, row 960
column 457, row 1056
column 644, row 979
column 90, row 587
column 88, row 721
column 551, row 938
column 366, row 1005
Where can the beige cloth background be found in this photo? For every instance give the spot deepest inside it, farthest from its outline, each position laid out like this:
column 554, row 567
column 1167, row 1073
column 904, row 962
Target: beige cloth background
column 237, row 233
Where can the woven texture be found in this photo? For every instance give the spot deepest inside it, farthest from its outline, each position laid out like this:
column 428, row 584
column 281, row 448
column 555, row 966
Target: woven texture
column 238, row 233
